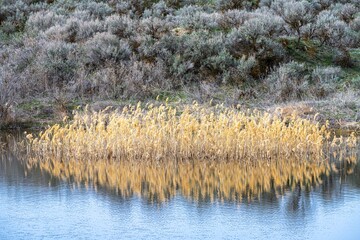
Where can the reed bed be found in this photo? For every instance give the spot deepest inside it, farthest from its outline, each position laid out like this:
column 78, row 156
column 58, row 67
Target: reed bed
column 164, row 133
column 204, row 153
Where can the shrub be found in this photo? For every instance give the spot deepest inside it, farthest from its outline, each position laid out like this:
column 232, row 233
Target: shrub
column 266, row 51
column 105, row 47
column 346, row 12
column 242, row 71
column 342, row 58
column 198, row 20
column 295, row 81
column 159, row 10
column 67, row 32
column 355, row 24
column 289, row 82
column 192, row 17
column 199, row 54
column 88, row 29
column 269, row 53
column 59, row 64
column 261, row 25
column 132, row 79
column 296, row 14
column 328, row 28
column 43, row 20
column 136, row 7
column 7, row 100
column 66, row 43
column 238, row 43
column 13, row 17
column 142, row 79
column 96, row 10
column 121, row 26
column 235, row 4
column 81, row 15
column 325, row 79
column 218, row 65
column 154, row 27
column 233, row 18
column 75, row 30
column 14, row 14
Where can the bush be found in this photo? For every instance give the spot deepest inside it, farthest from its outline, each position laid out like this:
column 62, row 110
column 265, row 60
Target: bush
column 200, row 56
column 96, row 10
column 296, row 15
column 324, row 79
column 154, row 27
column 355, row 24
column 346, row 12
column 233, row 19
column 67, row 32
column 131, row 79
column 289, row 82
column 261, row 25
column 59, row 64
column 7, row 90
column 295, row 81
column 256, row 41
column 43, row 20
column 158, row 10
column 235, row 4
column 105, row 47
column 242, row 72
column 121, row 26
column 72, row 44
column 342, row 58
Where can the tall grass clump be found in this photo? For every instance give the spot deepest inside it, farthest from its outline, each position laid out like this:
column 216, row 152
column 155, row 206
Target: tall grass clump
column 164, row 133
column 218, row 153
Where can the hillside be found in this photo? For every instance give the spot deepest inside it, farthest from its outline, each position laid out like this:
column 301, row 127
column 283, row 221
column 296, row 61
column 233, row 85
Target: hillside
column 59, row 54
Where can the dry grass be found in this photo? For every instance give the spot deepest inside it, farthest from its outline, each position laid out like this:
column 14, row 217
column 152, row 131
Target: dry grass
column 164, row 134
column 216, row 154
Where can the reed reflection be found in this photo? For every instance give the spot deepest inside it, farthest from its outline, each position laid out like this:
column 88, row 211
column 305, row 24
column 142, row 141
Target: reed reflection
column 197, row 180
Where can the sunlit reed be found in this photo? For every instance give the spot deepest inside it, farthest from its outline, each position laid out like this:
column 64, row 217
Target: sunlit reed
column 165, row 133
column 202, row 153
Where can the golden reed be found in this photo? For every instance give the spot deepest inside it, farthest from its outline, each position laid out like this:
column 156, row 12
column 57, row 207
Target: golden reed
column 204, row 153
column 165, row 134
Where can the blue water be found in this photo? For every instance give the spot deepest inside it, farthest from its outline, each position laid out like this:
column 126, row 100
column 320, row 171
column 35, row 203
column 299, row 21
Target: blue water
column 34, row 206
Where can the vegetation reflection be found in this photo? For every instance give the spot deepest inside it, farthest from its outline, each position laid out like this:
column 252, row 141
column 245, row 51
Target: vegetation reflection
column 197, row 180
column 159, row 152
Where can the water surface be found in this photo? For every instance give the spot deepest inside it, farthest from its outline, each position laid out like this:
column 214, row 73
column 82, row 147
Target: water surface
column 36, row 205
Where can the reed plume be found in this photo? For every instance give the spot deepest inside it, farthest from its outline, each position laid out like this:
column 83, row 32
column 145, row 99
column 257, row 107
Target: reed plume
column 165, row 133
column 204, row 153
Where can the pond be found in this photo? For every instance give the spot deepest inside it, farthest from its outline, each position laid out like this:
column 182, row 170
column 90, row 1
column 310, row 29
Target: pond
column 37, row 204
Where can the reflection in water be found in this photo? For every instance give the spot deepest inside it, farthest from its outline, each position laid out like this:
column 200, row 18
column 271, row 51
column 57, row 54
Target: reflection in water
column 213, row 154
column 36, row 203
column 198, row 180
column 203, row 180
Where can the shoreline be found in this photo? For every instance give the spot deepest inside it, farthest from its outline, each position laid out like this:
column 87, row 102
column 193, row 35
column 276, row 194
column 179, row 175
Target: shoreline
column 35, row 119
